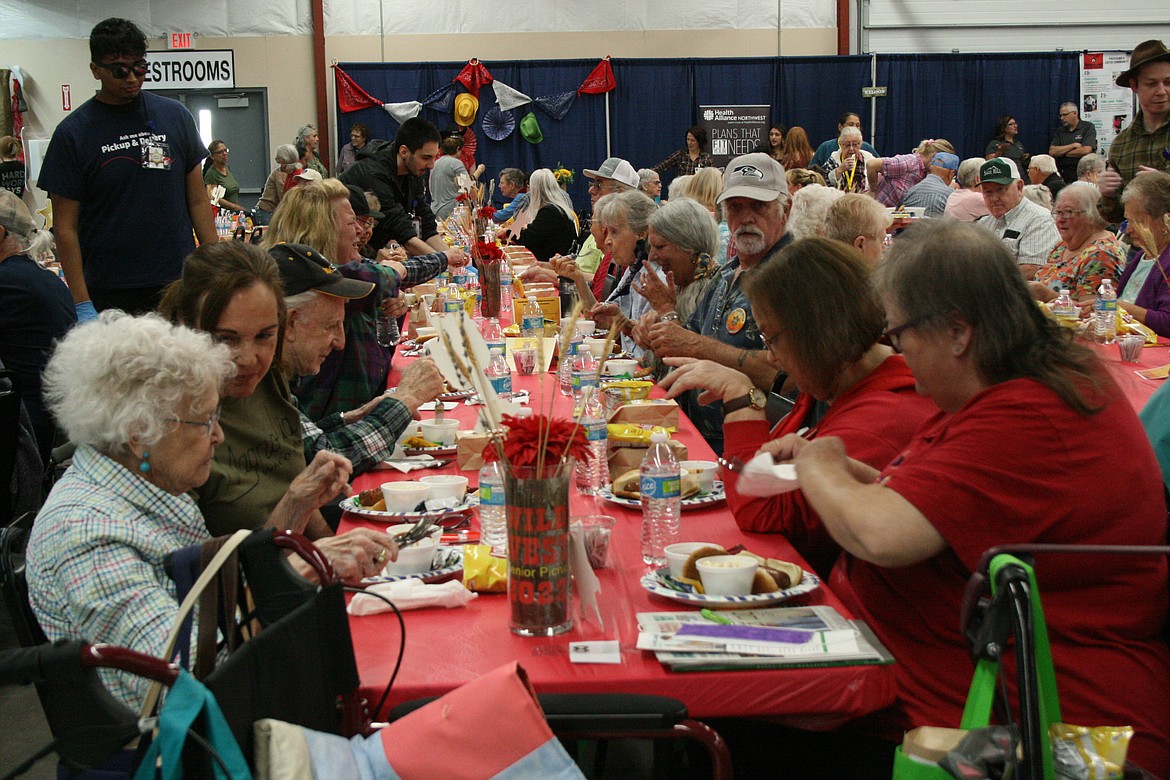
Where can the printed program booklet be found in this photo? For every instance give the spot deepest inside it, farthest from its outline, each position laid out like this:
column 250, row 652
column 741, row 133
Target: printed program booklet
column 759, row 639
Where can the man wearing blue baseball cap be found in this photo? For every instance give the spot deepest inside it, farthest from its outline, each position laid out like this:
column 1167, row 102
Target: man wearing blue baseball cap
column 935, row 188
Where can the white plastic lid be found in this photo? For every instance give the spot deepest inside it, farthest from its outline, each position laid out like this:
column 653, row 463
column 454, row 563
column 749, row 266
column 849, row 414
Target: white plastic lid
column 658, row 436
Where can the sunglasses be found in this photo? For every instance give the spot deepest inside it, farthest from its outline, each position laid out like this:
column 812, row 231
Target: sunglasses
column 119, row 71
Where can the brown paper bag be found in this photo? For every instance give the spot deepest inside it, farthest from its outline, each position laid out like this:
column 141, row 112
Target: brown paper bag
column 469, row 447
column 622, row 459
column 651, row 411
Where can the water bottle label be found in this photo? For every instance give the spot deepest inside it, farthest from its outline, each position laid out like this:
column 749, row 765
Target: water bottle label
column 453, row 304
column 660, row 487
column 531, row 323
column 489, row 496
column 501, row 344
column 502, row 384
column 597, row 431
column 581, row 380
column 459, row 279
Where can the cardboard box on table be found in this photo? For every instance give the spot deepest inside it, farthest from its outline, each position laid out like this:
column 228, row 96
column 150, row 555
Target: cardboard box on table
column 649, row 411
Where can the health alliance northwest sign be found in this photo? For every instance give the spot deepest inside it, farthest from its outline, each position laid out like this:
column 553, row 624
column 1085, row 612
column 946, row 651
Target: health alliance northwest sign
column 734, row 130
column 191, row 69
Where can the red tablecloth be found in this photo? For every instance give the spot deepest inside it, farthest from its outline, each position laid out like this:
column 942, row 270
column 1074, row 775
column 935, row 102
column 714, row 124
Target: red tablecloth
column 445, row 648
column 1137, row 389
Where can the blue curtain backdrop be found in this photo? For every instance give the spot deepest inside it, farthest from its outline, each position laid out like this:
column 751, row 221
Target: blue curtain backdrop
column 952, row 96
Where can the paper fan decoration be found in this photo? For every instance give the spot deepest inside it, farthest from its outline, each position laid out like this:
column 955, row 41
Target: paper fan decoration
column 498, row 124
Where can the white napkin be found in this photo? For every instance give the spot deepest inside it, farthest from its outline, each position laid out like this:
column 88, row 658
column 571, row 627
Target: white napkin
column 588, row 586
column 411, row 594
column 400, row 463
column 764, row 477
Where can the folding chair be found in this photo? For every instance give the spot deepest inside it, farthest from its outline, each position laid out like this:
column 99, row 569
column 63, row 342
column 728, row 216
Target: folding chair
column 14, row 583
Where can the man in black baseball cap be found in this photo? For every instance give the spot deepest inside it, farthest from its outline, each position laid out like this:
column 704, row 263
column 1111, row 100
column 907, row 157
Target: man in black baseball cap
column 303, row 268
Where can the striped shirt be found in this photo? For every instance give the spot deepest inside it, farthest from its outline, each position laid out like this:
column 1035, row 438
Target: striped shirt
column 1034, row 231
column 95, row 561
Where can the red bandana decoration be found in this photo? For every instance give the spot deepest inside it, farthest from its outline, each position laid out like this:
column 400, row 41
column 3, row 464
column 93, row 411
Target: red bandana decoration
column 351, row 97
column 473, row 76
column 599, row 80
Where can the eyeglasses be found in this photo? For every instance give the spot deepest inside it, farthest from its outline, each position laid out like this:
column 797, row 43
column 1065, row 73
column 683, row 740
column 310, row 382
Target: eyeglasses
column 208, row 424
column 1066, row 113
column 1066, row 213
column 367, row 222
column 224, row 150
column 119, row 71
column 892, row 337
column 602, row 186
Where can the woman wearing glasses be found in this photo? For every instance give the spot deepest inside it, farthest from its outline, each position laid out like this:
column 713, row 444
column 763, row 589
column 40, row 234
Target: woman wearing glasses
column 217, row 173
column 1013, row 456
column 1086, row 253
column 821, row 321
column 1006, row 144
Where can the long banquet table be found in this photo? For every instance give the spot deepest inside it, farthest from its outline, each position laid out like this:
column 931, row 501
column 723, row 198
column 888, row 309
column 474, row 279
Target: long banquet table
column 445, row 648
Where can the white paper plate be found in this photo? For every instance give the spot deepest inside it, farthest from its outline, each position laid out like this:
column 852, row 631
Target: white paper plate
column 660, row 583
column 351, row 505
column 716, row 496
column 443, row 450
column 430, row 406
column 426, row 576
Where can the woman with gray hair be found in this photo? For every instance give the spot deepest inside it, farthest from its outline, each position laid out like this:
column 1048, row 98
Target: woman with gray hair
column 306, row 144
column 1143, row 290
column 650, row 183
column 140, row 398
column 288, row 162
column 845, row 168
column 1086, row 252
column 36, row 309
column 810, row 205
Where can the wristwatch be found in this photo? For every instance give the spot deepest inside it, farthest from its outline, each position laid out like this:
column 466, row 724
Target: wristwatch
column 755, row 398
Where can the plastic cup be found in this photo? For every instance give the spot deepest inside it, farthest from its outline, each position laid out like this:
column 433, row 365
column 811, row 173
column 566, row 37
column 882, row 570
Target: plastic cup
column 597, row 531
column 1130, row 346
column 525, row 358
column 440, row 431
column 704, row 471
column 677, row 554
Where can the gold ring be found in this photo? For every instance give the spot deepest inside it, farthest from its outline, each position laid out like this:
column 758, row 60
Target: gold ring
column 380, row 556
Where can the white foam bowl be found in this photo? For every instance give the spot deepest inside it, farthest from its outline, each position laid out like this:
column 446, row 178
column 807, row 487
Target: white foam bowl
column 677, row 554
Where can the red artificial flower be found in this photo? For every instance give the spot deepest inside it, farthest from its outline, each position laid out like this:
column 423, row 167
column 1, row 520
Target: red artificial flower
column 463, row 197
column 487, row 212
column 523, row 442
column 488, row 250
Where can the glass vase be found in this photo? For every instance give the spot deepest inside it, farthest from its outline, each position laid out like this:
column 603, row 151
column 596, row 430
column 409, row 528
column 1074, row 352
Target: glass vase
column 489, row 287
column 538, row 549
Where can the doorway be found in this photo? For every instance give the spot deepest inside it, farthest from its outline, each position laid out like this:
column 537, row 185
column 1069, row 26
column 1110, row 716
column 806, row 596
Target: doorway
column 238, row 117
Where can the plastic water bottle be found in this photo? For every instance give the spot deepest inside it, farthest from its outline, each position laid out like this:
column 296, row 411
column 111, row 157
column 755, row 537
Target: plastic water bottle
column 1105, row 312
column 493, row 335
column 566, row 366
column 505, row 285
column 493, row 517
column 661, row 504
column 593, row 470
column 498, row 372
column 1063, row 306
column 584, row 371
column 532, row 321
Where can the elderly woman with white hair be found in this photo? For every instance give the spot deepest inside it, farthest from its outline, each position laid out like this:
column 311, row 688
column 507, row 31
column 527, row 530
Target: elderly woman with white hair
column 288, row 162
column 809, row 207
column 846, row 166
column 551, row 223
column 650, row 183
column 1086, row 252
column 140, row 397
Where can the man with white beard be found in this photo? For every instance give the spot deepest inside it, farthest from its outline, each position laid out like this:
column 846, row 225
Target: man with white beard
column 755, row 202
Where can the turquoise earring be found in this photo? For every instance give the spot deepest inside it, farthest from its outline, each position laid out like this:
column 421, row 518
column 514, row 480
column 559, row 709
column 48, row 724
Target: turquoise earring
column 144, row 466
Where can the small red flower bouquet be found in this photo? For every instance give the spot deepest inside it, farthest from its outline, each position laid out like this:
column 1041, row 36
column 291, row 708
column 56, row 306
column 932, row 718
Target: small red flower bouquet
column 540, row 443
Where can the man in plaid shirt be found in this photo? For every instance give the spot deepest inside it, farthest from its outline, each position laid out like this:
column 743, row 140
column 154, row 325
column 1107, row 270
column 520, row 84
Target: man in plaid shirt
column 1145, row 144
column 890, row 178
column 314, row 329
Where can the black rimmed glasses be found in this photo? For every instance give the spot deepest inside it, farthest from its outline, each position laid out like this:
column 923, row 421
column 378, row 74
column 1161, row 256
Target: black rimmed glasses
column 120, row 71
column 1067, row 213
column 208, row 424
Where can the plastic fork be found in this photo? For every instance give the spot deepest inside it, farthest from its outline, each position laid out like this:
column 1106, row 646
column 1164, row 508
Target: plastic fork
column 421, row 530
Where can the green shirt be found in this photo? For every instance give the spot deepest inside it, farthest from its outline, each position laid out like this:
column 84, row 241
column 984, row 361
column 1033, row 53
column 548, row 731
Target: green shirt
column 1135, row 146
column 230, row 186
column 261, row 453
column 589, row 257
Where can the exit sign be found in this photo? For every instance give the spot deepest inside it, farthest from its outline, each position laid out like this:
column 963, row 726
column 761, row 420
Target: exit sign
column 181, row 40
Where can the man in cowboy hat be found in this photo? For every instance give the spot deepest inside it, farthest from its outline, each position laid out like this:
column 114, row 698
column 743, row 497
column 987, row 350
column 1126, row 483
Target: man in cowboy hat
column 1142, row 145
